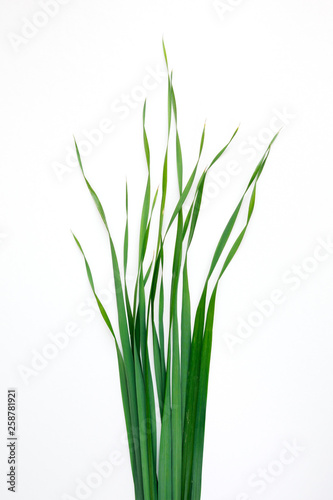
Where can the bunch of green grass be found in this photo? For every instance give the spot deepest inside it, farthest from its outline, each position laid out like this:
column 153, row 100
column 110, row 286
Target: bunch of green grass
column 181, row 349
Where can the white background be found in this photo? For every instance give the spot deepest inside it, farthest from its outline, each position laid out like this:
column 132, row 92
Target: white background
column 246, row 62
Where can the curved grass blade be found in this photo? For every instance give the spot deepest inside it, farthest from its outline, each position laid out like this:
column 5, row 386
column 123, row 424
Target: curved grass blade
column 122, row 319
column 203, row 364
column 165, row 459
column 132, row 439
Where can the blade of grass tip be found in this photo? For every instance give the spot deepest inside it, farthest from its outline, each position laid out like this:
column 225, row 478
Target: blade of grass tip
column 227, row 231
column 222, row 150
column 123, row 383
column 174, row 366
column 200, row 187
column 145, row 221
column 207, row 343
column 158, row 252
column 165, row 164
column 146, row 200
column 165, row 54
column 144, row 211
column 145, row 139
column 150, row 420
column 122, row 318
column 158, row 259
column 166, row 475
column 176, row 418
column 189, row 185
column 179, row 158
column 163, row 197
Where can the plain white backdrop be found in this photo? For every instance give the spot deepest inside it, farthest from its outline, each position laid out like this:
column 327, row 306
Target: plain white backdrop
column 84, row 68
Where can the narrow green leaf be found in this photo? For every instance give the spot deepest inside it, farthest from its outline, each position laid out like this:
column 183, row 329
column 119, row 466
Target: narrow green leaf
column 132, row 439
column 202, row 401
column 122, row 318
column 165, row 458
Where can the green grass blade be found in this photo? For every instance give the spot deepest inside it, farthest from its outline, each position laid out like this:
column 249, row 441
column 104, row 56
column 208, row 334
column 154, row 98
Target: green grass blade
column 176, row 415
column 219, row 154
column 185, row 337
column 182, row 374
column 142, row 425
column 179, row 158
column 122, row 318
column 146, row 200
column 202, row 401
column 132, row 438
column 176, row 375
column 207, row 340
column 147, row 274
column 165, row 54
column 165, row 457
column 187, row 188
column 158, row 369
column 199, row 191
column 161, row 332
column 192, row 396
column 125, row 258
column 145, row 139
